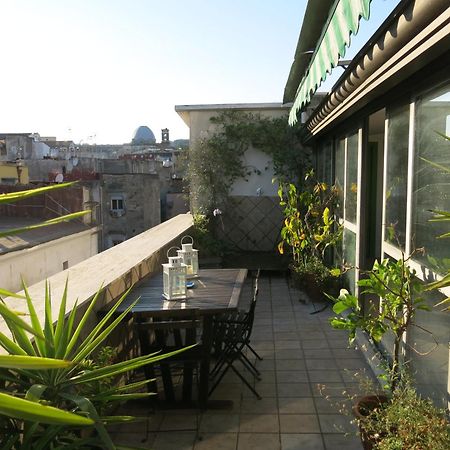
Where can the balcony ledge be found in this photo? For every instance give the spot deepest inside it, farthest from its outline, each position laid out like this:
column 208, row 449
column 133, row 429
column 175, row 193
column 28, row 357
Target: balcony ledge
column 117, row 269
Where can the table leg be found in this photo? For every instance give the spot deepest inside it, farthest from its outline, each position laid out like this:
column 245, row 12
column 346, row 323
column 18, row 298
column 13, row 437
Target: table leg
column 207, row 340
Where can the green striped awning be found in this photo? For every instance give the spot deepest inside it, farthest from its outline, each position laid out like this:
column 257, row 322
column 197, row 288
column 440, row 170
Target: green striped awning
column 342, row 21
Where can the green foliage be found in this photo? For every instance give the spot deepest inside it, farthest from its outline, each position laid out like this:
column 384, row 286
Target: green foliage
column 44, row 402
column 272, row 136
column 400, row 293
column 216, row 162
column 312, row 270
column 204, row 237
column 309, row 226
column 407, row 421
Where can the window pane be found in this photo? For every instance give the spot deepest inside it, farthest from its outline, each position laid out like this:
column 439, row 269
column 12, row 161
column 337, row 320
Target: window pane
column 430, row 368
column 432, row 183
column 339, row 177
column 349, row 254
column 396, row 176
column 351, row 191
column 324, row 163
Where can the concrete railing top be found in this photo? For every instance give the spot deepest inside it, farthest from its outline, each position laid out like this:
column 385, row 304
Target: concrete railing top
column 116, row 269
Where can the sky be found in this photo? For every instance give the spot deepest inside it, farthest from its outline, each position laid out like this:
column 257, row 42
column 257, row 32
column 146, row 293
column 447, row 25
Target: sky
column 92, row 71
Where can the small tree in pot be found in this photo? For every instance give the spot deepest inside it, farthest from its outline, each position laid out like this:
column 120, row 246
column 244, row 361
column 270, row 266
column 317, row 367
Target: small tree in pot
column 400, row 299
column 309, row 229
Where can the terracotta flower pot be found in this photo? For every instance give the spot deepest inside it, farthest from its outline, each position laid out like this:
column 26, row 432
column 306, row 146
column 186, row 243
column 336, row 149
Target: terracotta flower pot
column 361, row 409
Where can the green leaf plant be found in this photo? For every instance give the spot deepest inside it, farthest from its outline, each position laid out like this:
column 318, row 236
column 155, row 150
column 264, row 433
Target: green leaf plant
column 399, row 291
column 50, row 385
column 309, row 226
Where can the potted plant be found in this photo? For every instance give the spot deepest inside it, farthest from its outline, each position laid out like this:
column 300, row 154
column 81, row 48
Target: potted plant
column 405, row 421
column 309, row 229
column 400, row 293
column 57, row 382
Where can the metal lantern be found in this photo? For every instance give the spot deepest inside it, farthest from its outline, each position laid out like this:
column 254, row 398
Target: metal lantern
column 189, row 257
column 174, row 278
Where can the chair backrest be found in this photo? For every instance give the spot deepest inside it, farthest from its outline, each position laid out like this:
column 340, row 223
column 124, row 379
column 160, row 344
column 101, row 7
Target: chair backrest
column 159, row 331
column 251, row 311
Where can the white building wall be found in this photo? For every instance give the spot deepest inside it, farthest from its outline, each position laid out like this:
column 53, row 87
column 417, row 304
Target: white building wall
column 256, row 184
column 42, row 261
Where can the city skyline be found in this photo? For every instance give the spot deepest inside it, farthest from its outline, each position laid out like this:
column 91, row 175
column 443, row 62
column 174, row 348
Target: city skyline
column 92, row 72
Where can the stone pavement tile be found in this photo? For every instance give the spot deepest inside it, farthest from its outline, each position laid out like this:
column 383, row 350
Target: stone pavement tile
column 267, row 376
column 175, row 440
column 336, row 423
column 179, row 422
column 308, row 335
column 316, row 344
column 352, row 375
column 317, row 353
column 286, row 336
column 216, row 441
column 299, row 423
column 301, row 442
column 294, row 353
column 263, row 345
column 231, row 378
column 138, row 439
column 265, row 364
column 294, row 390
column 259, row 441
column 253, row 405
column 279, row 327
column 263, row 389
column 324, row 376
column 342, row 442
column 287, row 345
column 292, row 376
column 338, row 343
column 263, row 335
column 350, row 353
column 223, row 423
column 296, row 405
column 321, row 364
column 227, row 391
column 290, row 364
column 352, row 363
column 259, row 423
column 263, row 322
column 266, row 354
column 329, row 389
column 333, row 405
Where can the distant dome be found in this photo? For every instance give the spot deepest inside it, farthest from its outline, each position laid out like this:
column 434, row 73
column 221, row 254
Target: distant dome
column 143, row 136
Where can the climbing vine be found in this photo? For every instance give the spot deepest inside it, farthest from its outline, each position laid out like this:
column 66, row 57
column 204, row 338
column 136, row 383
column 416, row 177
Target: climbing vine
column 216, row 160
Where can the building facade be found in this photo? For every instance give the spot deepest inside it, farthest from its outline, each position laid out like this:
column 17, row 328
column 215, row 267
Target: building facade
column 381, row 135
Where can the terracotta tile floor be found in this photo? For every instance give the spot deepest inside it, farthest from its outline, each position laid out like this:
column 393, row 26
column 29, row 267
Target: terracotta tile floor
column 301, row 353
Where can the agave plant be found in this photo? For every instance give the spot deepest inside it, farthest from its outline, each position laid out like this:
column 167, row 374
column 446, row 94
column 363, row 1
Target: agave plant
column 51, row 388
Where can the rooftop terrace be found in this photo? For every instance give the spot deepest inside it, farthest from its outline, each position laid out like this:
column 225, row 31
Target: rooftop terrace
column 302, row 353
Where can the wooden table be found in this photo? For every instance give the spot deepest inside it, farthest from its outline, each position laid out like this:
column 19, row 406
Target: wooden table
column 215, row 291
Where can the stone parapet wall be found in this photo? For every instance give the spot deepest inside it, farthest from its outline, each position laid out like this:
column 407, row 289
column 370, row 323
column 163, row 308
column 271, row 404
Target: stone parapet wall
column 116, row 269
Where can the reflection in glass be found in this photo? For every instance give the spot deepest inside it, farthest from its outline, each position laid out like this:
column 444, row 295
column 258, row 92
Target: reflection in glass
column 339, row 177
column 351, row 192
column 430, row 365
column 324, row 163
column 432, row 179
column 349, row 256
column 397, row 176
